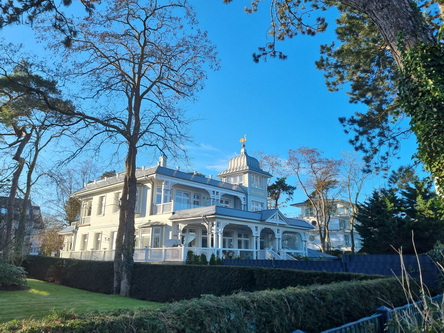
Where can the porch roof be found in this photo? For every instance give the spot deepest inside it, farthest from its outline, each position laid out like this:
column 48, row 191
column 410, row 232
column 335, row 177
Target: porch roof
column 67, row 230
column 260, row 216
column 300, row 223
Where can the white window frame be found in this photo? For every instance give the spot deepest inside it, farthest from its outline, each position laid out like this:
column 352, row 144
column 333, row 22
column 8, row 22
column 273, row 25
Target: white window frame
column 116, row 203
column 101, row 205
column 139, row 199
column 156, row 237
column 257, row 206
column 182, row 200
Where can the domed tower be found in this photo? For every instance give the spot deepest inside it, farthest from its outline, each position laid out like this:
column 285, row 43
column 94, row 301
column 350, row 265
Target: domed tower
column 245, row 170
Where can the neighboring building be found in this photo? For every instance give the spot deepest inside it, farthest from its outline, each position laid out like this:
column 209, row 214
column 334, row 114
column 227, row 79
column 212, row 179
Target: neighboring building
column 178, row 211
column 33, row 222
column 340, row 228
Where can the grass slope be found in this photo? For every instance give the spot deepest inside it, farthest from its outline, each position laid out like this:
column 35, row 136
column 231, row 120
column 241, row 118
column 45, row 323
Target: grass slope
column 43, row 297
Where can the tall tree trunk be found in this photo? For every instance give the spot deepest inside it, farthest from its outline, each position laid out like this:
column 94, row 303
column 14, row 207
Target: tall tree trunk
column 125, row 241
column 399, row 22
column 11, row 204
column 21, row 234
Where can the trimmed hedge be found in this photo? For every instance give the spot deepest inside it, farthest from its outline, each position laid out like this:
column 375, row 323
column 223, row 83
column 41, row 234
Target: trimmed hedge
column 168, row 283
column 96, row 276
column 311, row 309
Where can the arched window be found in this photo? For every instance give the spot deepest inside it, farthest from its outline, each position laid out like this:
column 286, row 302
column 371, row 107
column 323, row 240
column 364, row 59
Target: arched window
column 291, row 241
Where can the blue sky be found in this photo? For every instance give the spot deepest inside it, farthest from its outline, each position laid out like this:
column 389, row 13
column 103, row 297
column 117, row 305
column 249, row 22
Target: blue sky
column 279, row 105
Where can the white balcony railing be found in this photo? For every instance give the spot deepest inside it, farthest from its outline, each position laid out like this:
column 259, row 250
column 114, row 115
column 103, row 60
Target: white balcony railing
column 178, row 254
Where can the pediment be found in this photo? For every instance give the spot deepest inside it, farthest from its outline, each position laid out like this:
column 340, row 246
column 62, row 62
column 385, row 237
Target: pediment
column 277, row 218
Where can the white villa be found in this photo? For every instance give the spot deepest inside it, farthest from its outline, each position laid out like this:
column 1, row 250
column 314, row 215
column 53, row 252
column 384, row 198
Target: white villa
column 178, row 211
column 340, row 228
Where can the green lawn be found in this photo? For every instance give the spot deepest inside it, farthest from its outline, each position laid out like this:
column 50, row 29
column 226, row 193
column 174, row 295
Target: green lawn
column 43, row 297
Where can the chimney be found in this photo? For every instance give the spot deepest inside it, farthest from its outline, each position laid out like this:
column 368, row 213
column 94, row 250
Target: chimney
column 163, row 161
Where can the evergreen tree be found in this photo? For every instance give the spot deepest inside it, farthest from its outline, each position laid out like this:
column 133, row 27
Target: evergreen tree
column 277, row 189
column 405, row 215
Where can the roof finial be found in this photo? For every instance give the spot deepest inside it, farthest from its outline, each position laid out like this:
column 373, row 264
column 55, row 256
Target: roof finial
column 242, row 140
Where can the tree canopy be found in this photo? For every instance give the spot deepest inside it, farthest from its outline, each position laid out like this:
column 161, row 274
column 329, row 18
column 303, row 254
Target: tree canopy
column 391, row 57
column 278, row 189
column 28, row 125
column 136, row 62
column 406, row 214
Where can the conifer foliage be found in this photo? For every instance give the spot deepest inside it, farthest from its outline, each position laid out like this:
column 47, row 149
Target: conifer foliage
column 405, row 215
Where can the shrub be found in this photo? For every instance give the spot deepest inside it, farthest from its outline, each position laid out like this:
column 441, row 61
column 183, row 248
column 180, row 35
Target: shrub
column 203, row 259
column 11, row 275
column 311, row 309
column 190, row 258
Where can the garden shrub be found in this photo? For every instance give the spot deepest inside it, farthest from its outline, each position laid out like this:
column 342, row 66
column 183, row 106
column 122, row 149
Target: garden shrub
column 203, row 259
column 311, row 309
column 11, row 276
column 190, row 257
column 213, row 259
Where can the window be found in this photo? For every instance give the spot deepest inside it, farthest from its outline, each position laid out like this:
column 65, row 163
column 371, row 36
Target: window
column 97, row 240
column 101, row 205
column 116, row 202
column 182, row 200
column 84, row 242
column 189, row 237
column 166, row 195
column 256, row 206
column 344, row 224
column 196, row 200
column 139, row 198
column 236, row 179
column 204, row 238
column 309, row 211
column 113, row 240
column 145, row 238
column 224, row 202
column 341, row 210
column 243, row 241
column 227, row 240
column 87, row 207
column 156, row 237
column 291, row 241
column 347, row 240
column 256, row 181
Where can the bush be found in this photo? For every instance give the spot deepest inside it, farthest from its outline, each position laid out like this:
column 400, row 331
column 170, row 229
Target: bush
column 11, row 276
column 311, row 309
column 190, row 258
column 203, row 259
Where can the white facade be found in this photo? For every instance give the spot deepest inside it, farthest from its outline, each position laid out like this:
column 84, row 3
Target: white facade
column 340, row 227
column 178, row 211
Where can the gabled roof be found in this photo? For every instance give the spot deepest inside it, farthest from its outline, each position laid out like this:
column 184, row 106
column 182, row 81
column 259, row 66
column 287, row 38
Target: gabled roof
column 260, row 216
